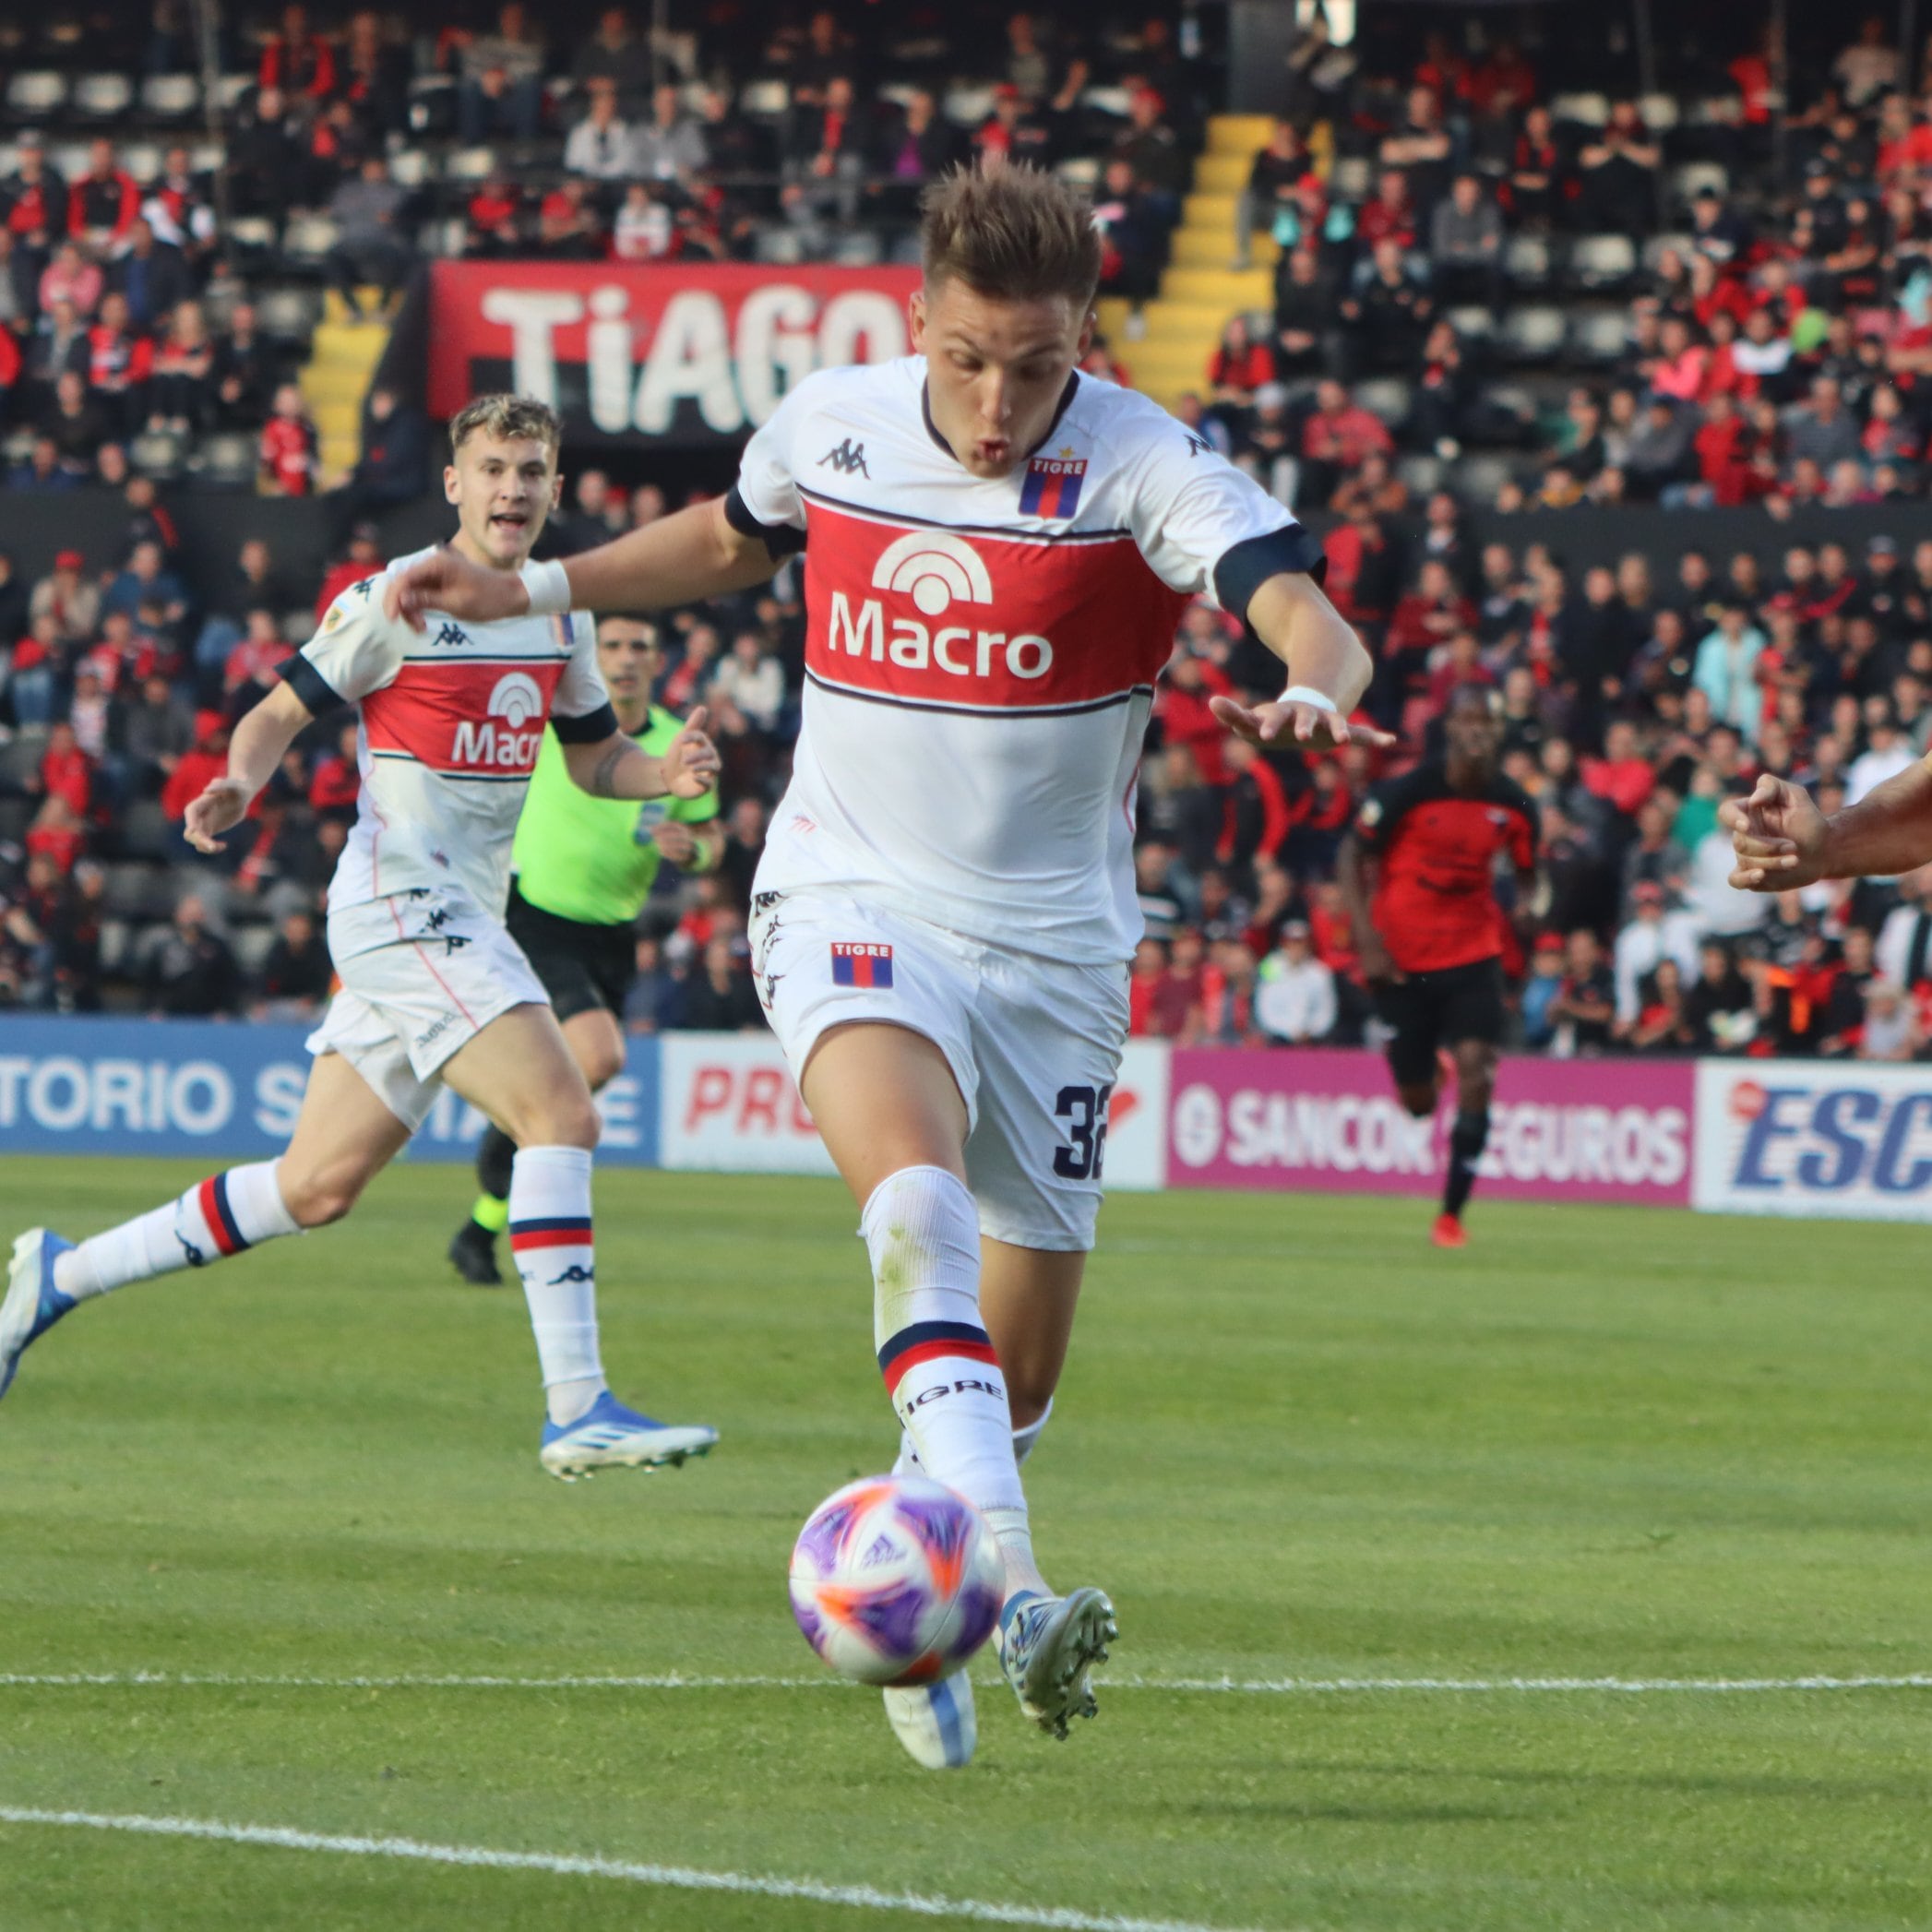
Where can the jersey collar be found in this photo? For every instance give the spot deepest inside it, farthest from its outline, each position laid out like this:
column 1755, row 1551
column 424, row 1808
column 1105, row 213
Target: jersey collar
column 1060, row 408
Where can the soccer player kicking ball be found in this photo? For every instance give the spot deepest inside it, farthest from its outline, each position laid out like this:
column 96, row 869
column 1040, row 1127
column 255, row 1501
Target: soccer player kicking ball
column 581, row 872
column 1417, row 873
column 433, row 988
column 997, row 551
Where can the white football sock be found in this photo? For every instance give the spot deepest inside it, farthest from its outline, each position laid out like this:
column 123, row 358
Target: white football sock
column 908, row 1464
column 550, row 1237
column 922, row 1232
column 224, row 1215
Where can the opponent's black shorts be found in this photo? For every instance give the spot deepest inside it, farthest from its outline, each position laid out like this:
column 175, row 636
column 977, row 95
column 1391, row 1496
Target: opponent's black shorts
column 1430, row 1010
column 582, row 967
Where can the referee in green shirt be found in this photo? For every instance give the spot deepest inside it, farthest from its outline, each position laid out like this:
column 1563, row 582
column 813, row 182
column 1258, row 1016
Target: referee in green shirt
column 582, row 869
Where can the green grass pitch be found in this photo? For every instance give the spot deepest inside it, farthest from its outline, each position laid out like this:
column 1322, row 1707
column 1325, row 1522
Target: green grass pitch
column 1294, row 1442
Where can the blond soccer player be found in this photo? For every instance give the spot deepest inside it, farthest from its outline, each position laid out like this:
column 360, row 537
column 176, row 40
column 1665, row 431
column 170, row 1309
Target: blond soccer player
column 996, row 552
column 433, row 990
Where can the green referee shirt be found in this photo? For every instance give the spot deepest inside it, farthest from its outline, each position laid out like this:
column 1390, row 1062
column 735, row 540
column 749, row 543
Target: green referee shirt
column 592, row 859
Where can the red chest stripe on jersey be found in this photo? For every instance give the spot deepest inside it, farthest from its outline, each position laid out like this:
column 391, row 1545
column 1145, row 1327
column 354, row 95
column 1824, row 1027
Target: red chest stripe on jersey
column 463, row 718
column 979, row 622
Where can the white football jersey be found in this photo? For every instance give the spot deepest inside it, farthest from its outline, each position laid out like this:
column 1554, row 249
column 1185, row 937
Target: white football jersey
column 980, row 654
column 452, row 717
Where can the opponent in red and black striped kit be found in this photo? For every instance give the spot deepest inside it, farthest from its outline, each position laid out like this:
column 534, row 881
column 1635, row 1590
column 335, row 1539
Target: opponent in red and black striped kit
column 1418, row 871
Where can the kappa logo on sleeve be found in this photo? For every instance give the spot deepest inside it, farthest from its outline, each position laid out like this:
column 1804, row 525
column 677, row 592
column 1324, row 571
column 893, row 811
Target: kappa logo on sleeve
column 854, row 964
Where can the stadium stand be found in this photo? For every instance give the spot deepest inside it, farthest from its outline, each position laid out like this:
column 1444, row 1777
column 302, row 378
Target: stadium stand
column 1482, row 312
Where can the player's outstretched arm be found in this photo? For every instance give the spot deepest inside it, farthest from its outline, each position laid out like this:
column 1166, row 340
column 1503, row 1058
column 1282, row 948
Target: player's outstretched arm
column 682, row 558
column 1782, row 840
column 1351, row 874
column 1328, row 671
column 616, row 768
column 253, row 753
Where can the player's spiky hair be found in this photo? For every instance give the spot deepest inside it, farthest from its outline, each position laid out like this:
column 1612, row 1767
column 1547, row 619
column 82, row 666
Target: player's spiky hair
column 1017, row 234
column 507, row 419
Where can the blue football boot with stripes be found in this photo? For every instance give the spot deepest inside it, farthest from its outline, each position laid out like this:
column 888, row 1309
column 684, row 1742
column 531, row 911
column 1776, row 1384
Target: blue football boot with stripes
column 936, row 1722
column 609, row 1436
column 1046, row 1646
column 34, row 1304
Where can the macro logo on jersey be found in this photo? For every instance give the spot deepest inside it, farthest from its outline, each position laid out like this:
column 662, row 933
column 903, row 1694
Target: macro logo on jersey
column 991, row 621
column 855, row 964
column 1053, row 486
column 466, row 720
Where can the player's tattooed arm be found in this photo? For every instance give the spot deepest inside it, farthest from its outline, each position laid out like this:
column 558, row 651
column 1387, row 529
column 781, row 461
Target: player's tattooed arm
column 616, row 768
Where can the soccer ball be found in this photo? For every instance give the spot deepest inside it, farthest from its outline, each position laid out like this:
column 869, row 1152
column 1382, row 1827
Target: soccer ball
column 895, row 1580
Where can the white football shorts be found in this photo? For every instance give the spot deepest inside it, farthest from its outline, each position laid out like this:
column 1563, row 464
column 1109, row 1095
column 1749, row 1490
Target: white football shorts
column 422, row 973
column 1034, row 1044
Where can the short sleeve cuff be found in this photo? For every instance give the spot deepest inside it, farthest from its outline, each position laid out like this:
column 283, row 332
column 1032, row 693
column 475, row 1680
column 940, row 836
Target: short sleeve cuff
column 780, row 538
column 592, row 728
column 1245, row 568
column 315, row 692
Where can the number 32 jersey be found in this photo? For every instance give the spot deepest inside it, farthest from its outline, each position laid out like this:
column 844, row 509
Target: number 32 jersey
column 981, row 653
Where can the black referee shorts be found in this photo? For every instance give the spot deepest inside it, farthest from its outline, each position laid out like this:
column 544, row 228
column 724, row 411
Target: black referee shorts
column 1431, row 1010
column 582, row 967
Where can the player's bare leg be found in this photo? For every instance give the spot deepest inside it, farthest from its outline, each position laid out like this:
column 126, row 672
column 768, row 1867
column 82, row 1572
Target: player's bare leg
column 596, row 1043
column 519, row 1072
column 1475, row 1087
column 344, row 1136
column 891, row 1115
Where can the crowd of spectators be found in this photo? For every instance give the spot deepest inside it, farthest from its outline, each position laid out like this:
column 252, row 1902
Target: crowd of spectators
column 1550, row 300
column 1634, row 699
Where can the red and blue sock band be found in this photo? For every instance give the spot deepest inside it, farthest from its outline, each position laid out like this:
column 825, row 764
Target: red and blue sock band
column 553, row 1231
column 926, row 1341
column 211, row 1198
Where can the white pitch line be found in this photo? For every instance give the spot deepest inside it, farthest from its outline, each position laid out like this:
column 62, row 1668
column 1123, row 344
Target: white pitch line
column 677, row 1877
column 1213, row 1686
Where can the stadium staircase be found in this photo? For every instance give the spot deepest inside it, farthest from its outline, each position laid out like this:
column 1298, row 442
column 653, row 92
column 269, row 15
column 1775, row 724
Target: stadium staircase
column 1199, row 290
column 342, row 360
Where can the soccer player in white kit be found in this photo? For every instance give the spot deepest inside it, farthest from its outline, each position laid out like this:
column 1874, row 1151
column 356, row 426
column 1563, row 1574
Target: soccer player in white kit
column 996, row 552
column 433, row 990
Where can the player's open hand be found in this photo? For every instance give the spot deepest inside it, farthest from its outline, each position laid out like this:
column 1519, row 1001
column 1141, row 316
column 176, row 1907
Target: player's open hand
column 223, row 803
column 1778, row 835
column 1299, row 727
column 674, row 839
column 445, row 582
column 691, row 760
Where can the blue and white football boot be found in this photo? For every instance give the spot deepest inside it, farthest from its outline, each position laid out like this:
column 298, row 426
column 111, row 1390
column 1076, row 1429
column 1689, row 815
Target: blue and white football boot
column 936, row 1722
column 1047, row 1644
column 34, row 1304
column 609, row 1436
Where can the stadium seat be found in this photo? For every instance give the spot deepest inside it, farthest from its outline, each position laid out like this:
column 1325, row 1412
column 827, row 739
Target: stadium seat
column 1659, row 111
column 142, row 160
column 1480, row 477
column 968, row 106
column 776, row 244
column 1080, row 170
column 408, row 167
column 1583, row 110
column 1603, row 261
column 298, row 625
column 170, row 97
column 231, row 90
column 158, row 454
column 1421, row 474
column 252, row 945
column 253, row 234
column 898, row 93
column 471, row 164
column 115, row 936
column 1472, row 322
column 16, row 448
column 1533, row 333
column 1510, row 410
column 1113, row 101
column 307, row 239
column 288, row 315
column 145, row 832
column 35, row 93
column 228, row 462
column 1686, row 180
column 20, row 757
column 1352, row 178
column 1385, row 397
column 102, row 96
column 764, row 100
column 1656, row 245
column 856, row 248
column 1598, row 335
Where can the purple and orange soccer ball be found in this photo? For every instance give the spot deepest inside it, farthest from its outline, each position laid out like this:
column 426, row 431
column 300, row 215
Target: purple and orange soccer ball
column 896, row 1580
